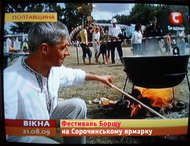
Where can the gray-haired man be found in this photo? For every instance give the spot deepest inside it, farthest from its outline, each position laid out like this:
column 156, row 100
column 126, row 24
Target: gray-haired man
column 36, row 79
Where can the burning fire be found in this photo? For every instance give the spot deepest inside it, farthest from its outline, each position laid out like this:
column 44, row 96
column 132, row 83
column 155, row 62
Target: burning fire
column 135, row 109
column 159, row 97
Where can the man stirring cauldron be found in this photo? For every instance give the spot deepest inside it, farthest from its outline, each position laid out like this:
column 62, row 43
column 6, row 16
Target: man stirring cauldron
column 35, row 80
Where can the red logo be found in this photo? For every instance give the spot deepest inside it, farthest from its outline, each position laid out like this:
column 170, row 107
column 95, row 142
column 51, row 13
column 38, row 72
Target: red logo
column 176, row 18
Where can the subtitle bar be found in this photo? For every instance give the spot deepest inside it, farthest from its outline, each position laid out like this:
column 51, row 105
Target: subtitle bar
column 162, row 131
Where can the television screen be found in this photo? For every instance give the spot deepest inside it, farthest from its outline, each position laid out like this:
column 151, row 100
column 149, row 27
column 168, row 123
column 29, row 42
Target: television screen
column 95, row 72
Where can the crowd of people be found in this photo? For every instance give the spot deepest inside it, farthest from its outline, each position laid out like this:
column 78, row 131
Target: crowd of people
column 154, row 35
column 13, row 44
column 106, row 40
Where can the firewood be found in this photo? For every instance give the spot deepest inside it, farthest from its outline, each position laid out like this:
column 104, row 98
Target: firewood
column 104, row 101
column 96, row 101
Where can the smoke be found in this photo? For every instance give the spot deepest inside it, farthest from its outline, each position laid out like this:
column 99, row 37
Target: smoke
column 152, row 47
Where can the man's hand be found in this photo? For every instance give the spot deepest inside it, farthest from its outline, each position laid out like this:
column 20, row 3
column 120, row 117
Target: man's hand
column 106, row 79
column 114, row 38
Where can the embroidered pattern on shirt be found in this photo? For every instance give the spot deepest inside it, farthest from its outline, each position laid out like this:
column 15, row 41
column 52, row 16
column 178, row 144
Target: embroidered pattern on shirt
column 40, row 83
column 37, row 75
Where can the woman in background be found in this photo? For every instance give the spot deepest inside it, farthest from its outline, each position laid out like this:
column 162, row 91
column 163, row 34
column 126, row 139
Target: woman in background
column 96, row 43
column 136, row 40
column 103, row 46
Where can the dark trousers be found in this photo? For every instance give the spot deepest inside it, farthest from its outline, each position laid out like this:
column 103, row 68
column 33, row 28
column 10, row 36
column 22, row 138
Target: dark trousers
column 86, row 50
column 112, row 46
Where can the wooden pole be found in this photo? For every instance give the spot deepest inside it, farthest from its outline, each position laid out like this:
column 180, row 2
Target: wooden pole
column 76, row 44
column 131, row 97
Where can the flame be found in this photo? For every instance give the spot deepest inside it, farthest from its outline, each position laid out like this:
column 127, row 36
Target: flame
column 135, row 109
column 159, row 97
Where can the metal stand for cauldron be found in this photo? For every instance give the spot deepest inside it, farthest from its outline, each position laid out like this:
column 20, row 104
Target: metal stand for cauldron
column 133, row 85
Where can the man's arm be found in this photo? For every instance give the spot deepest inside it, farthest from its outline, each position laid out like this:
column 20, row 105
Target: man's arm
column 104, row 79
column 78, row 37
column 113, row 37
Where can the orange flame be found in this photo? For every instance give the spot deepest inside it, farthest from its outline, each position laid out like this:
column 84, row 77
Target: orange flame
column 135, row 109
column 159, row 97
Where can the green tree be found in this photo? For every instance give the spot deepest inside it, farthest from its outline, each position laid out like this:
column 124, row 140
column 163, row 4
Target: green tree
column 71, row 16
column 142, row 13
column 21, row 27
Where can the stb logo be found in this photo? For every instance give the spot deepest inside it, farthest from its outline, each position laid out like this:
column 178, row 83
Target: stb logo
column 176, row 18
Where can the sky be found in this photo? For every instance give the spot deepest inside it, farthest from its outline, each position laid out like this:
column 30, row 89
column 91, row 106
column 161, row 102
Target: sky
column 102, row 11
column 107, row 10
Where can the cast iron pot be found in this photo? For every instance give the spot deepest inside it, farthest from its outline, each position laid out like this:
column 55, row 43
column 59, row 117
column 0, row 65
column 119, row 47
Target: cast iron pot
column 156, row 71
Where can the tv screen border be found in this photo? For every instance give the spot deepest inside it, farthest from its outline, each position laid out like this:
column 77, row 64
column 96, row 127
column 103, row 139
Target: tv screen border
column 2, row 11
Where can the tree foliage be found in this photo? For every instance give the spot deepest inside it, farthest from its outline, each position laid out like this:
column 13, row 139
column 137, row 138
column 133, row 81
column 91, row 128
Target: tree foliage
column 20, row 27
column 142, row 13
column 72, row 17
column 69, row 14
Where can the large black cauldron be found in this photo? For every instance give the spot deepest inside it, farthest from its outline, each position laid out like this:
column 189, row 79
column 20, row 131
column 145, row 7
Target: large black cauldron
column 156, row 71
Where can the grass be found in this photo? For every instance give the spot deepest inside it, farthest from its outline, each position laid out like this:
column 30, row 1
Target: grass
column 93, row 89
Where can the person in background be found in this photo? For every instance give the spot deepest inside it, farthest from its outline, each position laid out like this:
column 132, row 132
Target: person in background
column 17, row 44
column 35, row 81
column 25, row 45
column 167, row 42
column 96, row 43
column 82, row 37
column 103, row 45
column 90, row 32
column 114, row 40
column 136, row 40
column 153, row 29
column 180, row 40
column 9, row 44
column 153, row 32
